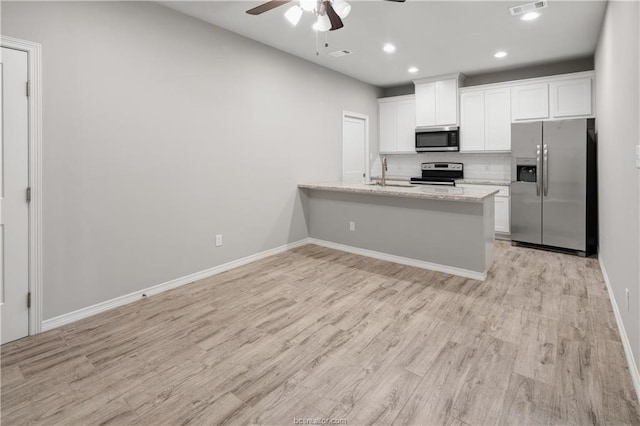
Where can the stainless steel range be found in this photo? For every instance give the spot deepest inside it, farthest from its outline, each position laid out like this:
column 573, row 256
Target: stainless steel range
column 439, row 174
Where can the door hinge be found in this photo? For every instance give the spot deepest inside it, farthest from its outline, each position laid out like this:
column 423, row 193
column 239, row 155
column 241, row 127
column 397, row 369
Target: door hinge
column 28, row 88
column 28, row 194
column 29, row 300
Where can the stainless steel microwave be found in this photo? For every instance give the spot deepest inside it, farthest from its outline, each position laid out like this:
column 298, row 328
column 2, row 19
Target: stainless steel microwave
column 436, row 139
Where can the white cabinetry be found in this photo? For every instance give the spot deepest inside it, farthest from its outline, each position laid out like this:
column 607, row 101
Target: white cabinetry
column 497, row 112
column 485, row 120
column 530, row 102
column 472, row 126
column 397, row 125
column 501, row 205
column 502, row 211
column 437, row 101
column 571, row 98
column 553, row 98
column 426, row 104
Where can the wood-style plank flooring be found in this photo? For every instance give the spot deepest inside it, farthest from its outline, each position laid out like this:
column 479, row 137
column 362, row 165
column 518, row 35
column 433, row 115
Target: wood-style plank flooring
column 317, row 333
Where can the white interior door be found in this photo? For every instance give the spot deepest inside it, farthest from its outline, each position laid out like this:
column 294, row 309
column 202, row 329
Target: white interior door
column 354, row 148
column 14, row 208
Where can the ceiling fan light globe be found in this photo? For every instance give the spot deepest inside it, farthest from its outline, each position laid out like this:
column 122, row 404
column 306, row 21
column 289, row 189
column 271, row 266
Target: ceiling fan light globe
column 293, row 15
column 342, row 8
column 308, row 5
column 322, row 24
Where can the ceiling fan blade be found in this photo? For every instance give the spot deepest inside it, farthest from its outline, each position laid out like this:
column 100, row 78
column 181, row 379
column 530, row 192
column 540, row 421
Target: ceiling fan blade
column 336, row 22
column 265, row 7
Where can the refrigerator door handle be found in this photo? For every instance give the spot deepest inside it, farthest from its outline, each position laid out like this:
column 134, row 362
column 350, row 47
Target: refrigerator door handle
column 538, row 168
column 545, row 168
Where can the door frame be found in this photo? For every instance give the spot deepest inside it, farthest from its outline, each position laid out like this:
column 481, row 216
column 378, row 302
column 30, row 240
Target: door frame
column 358, row 116
column 34, row 71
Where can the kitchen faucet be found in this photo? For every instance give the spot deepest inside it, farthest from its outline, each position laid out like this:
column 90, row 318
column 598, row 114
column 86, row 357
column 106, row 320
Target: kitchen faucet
column 383, row 179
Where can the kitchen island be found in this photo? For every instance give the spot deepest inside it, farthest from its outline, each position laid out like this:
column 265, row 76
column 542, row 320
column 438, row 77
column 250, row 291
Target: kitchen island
column 448, row 229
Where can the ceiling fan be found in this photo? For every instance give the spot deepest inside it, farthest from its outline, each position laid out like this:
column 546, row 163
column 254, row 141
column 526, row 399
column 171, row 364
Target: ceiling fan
column 330, row 13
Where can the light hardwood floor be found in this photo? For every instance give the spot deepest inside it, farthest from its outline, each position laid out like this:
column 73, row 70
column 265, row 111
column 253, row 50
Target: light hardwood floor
column 317, row 333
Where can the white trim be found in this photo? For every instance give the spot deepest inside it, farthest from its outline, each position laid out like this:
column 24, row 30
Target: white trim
column 34, row 55
column 456, row 75
column 150, row 291
column 89, row 311
column 633, row 368
column 367, row 165
column 396, row 98
column 401, row 260
column 527, row 81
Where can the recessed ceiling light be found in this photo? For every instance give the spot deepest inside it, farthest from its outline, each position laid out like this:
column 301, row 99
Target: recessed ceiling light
column 389, row 48
column 500, row 54
column 413, row 70
column 530, row 16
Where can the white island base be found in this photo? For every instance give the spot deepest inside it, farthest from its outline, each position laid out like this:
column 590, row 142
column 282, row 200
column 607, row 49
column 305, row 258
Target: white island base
column 444, row 229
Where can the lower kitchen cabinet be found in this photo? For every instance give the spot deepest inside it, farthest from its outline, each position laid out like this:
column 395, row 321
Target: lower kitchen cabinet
column 502, row 214
column 502, row 205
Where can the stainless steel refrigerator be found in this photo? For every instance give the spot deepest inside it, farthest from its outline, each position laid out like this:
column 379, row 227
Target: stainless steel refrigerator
column 553, row 185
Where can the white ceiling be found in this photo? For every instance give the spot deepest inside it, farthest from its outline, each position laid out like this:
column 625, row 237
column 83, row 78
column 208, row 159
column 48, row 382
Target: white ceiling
column 438, row 37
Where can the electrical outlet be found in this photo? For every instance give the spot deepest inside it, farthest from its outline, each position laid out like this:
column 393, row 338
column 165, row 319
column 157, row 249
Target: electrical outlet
column 352, row 226
column 627, row 291
column 218, row 240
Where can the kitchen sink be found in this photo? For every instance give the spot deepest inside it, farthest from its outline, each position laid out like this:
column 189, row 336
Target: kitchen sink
column 397, row 185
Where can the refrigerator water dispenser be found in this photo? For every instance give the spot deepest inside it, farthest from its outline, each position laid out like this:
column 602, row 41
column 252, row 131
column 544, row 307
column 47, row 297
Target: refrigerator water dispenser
column 526, row 173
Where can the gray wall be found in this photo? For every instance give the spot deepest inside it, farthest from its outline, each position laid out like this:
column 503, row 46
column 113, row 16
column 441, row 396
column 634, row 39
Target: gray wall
column 450, row 233
column 531, row 71
column 161, row 131
column 618, row 113
column 520, row 73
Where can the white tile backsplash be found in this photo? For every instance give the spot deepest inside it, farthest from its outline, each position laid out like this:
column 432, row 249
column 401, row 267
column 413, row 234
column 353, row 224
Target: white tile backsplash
column 476, row 166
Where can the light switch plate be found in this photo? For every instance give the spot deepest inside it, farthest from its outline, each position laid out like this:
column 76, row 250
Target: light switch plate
column 638, row 156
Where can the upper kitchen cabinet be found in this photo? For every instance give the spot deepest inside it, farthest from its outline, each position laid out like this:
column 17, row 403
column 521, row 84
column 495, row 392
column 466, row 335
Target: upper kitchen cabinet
column 497, row 110
column 472, row 123
column 437, row 100
column 530, row 102
column 397, row 125
column 485, row 120
column 553, row 98
column 571, row 98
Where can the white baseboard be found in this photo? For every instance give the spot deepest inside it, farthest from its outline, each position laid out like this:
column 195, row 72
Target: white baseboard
column 633, row 368
column 150, row 291
column 401, row 260
column 137, row 295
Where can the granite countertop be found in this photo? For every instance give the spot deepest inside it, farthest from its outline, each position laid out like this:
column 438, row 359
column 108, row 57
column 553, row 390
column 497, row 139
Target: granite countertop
column 499, row 182
column 446, row 193
column 470, row 181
